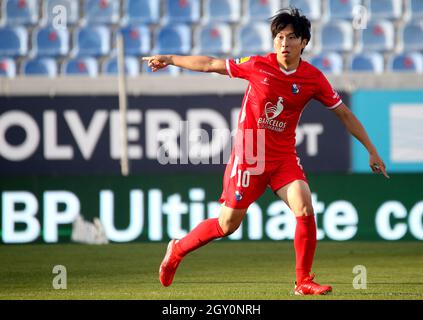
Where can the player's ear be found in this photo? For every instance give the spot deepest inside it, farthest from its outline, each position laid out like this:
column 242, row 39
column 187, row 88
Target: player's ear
column 304, row 43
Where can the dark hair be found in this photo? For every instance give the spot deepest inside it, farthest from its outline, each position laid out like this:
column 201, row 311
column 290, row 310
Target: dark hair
column 292, row 16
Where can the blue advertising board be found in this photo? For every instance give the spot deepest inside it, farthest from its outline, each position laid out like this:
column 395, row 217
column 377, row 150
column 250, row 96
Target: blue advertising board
column 394, row 122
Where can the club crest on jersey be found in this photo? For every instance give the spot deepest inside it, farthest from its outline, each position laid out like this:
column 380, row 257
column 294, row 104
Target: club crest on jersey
column 295, row 89
column 238, row 195
column 242, row 60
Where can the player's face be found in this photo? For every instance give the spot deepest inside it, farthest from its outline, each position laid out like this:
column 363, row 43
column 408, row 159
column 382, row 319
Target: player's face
column 287, row 45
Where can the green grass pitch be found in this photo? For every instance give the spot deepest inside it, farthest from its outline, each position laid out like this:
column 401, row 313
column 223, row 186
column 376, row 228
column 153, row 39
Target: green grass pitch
column 219, row 271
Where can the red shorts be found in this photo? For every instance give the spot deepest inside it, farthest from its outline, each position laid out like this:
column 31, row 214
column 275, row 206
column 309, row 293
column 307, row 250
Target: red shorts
column 241, row 187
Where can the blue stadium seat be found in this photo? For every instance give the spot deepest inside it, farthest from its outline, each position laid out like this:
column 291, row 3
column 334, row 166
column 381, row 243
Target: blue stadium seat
column 257, row 10
column 92, row 41
column 407, row 62
column 141, row 11
column 132, row 66
column 310, row 8
column 416, row 9
column 101, row 11
column 53, row 11
column 254, row 38
column 14, row 41
column 412, row 36
column 384, row 9
column 367, row 62
column 379, row 36
column 168, row 71
column 174, row 38
column 136, row 39
column 182, row 11
column 222, row 11
column 215, row 39
column 85, row 66
column 337, row 36
column 328, row 63
column 40, row 67
column 20, row 12
column 342, row 9
column 48, row 41
column 7, row 68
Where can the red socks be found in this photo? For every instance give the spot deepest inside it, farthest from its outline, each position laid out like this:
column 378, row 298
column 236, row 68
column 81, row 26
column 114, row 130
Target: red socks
column 305, row 244
column 202, row 234
column 304, row 241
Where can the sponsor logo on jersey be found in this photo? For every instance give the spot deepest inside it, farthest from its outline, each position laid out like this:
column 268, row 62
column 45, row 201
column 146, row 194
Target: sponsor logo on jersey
column 266, row 81
column 272, row 111
column 335, row 94
column 242, row 60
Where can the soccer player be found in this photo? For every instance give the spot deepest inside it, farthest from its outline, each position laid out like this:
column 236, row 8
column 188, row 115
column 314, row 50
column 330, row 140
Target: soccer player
column 280, row 85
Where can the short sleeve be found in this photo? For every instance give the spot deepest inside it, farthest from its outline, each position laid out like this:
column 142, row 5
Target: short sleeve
column 326, row 94
column 240, row 68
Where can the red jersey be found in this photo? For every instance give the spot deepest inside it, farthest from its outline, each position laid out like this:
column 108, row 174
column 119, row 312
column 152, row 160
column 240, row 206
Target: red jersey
column 274, row 101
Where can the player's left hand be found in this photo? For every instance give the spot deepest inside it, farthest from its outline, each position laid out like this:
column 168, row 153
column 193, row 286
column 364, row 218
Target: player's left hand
column 377, row 165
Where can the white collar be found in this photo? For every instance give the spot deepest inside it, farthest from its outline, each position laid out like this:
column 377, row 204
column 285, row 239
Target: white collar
column 288, row 72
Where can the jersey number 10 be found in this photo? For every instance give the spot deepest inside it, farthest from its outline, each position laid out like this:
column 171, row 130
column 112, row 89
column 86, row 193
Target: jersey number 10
column 243, row 179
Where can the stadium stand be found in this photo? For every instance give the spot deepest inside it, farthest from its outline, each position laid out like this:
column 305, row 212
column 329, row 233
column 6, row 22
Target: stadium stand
column 175, row 38
column 222, row 11
column 379, row 36
column 132, row 66
column 141, row 11
column 64, row 11
column 260, row 10
column 92, row 41
column 82, row 66
column 214, row 39
column 224, row 28
column 20, row 12
column 40, row 67
column 341, row 9
column 101, row 11
column 49, row 41
column 254, row 38
column 367, row 62
column 182, row 11
column 14, row 41
column 412, row 36
column 7, row 67
column 384, row 9
column 407, row 62
column 310, row 8
column 416, row 9
column 337, row 36
column 137, row 40
column 328, row 62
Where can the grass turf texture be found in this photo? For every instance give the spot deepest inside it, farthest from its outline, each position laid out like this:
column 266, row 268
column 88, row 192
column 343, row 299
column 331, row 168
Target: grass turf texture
column 219, row 271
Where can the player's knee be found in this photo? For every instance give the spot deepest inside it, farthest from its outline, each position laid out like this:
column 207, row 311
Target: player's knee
column 304, row 210
column 228, row 227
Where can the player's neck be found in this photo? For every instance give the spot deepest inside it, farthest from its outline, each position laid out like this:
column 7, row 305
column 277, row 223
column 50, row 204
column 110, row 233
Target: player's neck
column 289, row 65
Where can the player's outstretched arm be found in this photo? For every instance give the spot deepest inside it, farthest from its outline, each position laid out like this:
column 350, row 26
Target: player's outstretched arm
column 194, row 63
column 355, row 127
